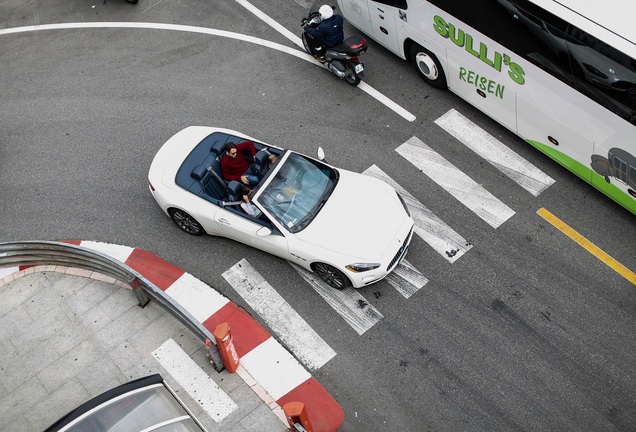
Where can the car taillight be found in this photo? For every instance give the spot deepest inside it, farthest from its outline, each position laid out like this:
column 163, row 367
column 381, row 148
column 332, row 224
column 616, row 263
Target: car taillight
column 152, row 188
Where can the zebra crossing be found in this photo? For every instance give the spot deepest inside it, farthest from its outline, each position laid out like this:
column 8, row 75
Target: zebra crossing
column 456, row 182
column 352, row 307
column 290, row 327
column 428, row 226
column 495, row 152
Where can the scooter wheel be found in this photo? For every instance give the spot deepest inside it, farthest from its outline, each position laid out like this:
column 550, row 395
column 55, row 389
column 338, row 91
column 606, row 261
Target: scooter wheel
column 351, row 77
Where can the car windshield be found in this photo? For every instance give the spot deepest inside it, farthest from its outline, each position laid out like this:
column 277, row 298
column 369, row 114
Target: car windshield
column 298, row 191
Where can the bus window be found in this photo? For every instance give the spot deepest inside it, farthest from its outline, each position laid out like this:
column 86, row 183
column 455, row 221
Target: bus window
column 603, row 73
column 400, row 4
column 463, row 10
column 539, row 36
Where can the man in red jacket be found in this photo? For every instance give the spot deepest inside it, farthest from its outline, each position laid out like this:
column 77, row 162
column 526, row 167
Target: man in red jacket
column 235, row 166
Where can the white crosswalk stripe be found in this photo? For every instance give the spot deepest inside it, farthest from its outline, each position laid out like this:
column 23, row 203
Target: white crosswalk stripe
column 428, row 226
column 455, row 182
column 288, row 325
column 406, row 279
column 495, row 152
column 195, row 381
column 349, row 303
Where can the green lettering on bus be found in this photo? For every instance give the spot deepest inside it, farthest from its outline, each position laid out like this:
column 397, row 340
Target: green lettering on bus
column 471, row 77
column 458, row 39
column 440, row 26
column 516, row 73
column 462, row 74
column 481, row 82
column 469, row 46
column 483, row 55
column 465, row 40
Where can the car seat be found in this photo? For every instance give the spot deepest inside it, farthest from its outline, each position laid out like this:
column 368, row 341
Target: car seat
column 261, row 163
column 211, row 184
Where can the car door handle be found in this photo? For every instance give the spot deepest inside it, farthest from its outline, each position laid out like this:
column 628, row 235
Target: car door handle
column 224, row 221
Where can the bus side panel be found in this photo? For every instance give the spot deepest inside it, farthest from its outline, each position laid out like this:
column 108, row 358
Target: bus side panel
column 554, row 138
column 357, row 13
column 477, row 87
column 614, row 173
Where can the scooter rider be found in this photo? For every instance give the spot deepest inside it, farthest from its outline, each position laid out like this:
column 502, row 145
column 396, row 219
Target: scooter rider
column 328, row 33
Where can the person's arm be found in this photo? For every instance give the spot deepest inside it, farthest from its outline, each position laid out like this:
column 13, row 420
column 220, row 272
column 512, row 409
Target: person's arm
column 314, row 31
column 249, row 144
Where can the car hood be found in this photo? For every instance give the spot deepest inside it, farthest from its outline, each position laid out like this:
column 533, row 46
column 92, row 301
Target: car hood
column 361, row 218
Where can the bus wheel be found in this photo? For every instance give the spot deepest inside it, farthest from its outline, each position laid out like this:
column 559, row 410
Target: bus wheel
column 429, row 68
column 632, row 192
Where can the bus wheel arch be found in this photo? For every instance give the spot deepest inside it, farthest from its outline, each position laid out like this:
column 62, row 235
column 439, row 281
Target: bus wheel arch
column 632, row 192
column 428, row 66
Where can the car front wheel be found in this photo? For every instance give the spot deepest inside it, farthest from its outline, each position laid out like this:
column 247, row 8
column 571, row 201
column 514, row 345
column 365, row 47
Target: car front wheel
column 186, row 222
column 331, row 275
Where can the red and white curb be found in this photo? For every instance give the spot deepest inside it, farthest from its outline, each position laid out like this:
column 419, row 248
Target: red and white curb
column 265, row 365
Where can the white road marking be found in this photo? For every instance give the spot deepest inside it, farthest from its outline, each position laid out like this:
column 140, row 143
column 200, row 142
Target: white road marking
column 290, row 327
column 214, row 32
column 495, row 152
column 298, row 41
column 428, row 226
column 406, row 279
column 196, row 297
column 272, row 22
column 274, row 368
column 352, row 307
column 463, row 188
column 194, row 380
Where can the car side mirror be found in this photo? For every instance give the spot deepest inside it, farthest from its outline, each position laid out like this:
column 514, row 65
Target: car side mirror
column 321, row 153
column 264, row 232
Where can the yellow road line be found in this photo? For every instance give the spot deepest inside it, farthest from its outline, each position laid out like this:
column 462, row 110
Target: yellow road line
column 591, row 247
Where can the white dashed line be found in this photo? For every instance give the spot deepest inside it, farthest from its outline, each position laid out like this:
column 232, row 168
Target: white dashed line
column 222, row 33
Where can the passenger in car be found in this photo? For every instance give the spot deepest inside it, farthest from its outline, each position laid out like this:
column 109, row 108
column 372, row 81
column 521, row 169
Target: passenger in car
column 271, row 160
column 235, row 166
column 247, row 205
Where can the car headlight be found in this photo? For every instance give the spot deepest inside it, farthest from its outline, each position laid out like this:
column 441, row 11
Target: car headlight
column 362, row 267
column 403, row 203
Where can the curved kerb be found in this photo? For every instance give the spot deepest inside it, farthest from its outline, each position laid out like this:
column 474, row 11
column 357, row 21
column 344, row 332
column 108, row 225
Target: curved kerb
column 26, row 254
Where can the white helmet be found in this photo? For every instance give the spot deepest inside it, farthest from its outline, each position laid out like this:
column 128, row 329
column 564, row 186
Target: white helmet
column 325, row 11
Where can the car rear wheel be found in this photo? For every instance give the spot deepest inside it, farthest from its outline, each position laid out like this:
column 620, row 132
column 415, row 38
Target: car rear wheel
column 186, row 222
column 331, row 275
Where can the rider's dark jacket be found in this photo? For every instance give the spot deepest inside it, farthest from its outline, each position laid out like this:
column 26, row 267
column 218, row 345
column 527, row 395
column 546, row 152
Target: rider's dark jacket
column 329, row 30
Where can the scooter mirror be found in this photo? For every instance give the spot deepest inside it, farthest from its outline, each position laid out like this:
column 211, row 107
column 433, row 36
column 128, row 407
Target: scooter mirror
column 321, row 153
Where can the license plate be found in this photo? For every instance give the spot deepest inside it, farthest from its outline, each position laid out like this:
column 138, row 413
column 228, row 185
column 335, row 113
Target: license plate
column 359, row 68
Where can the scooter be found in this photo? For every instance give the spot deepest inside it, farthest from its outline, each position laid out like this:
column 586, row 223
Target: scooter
column 342, row 59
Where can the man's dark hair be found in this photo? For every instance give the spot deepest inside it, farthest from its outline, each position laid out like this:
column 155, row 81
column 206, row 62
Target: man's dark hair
column 229, row 146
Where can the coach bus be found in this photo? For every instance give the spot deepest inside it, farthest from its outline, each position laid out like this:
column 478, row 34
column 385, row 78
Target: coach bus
column 561, row 75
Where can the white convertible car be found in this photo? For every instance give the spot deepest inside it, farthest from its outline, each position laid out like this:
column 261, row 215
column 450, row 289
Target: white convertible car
column 348, row 228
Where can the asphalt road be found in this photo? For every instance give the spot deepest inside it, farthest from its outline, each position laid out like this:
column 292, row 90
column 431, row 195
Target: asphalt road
column 526, row 331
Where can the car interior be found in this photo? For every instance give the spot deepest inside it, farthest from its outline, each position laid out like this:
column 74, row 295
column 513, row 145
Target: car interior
column 206, row 179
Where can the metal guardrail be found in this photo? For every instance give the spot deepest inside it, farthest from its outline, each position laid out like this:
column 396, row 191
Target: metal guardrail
column 39, row 253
